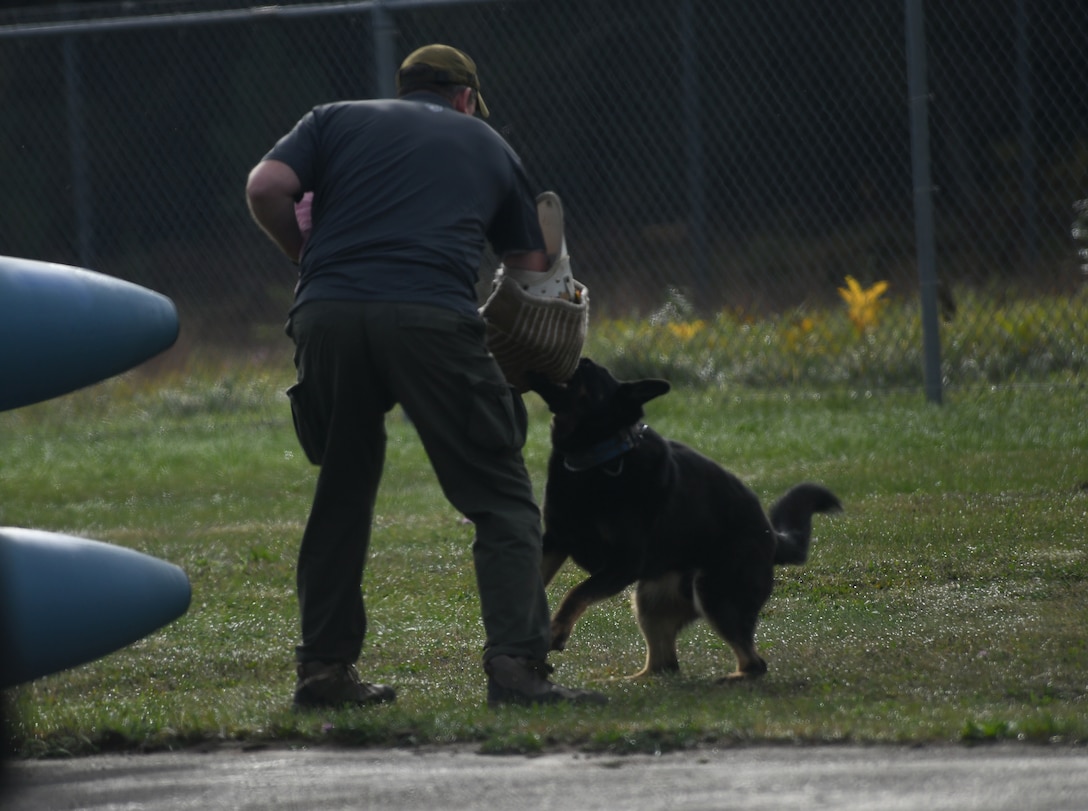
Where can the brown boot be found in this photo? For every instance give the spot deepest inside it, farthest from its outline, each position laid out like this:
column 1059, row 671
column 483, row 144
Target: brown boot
column 520, row 680
column 336, row 684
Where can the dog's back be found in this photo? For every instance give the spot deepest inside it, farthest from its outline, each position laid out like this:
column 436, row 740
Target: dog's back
column 658, row 488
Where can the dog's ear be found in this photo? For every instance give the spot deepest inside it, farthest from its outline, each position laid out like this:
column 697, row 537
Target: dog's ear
column 642, row 391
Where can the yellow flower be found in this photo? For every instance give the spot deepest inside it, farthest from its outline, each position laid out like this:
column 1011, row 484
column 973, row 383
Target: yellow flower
column 864, row 305
column 686, row 331
column 796, row 332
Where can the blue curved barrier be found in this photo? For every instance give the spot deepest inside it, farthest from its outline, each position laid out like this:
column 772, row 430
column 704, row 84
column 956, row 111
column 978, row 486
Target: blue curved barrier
column 63, row 328
column 71, row 600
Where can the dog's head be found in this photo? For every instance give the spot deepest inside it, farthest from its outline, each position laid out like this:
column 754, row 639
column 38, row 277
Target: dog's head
column 593, row 405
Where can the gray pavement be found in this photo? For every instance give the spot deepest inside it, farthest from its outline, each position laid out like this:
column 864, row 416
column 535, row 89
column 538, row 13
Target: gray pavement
column 849, row 778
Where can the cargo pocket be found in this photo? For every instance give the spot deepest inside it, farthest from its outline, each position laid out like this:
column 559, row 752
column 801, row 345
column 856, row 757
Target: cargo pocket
column 309, row 427
column 497, row 419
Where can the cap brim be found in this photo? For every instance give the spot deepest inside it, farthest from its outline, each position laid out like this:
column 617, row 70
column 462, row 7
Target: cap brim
column 481, row 108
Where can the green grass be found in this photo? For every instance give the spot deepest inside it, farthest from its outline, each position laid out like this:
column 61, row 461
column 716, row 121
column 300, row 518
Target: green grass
column 947, row 604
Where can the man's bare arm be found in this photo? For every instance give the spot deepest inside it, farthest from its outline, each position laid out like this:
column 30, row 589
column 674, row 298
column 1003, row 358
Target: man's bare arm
column 270, row 193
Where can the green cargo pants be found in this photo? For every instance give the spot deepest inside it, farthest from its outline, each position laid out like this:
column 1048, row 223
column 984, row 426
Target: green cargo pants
column 354, row 361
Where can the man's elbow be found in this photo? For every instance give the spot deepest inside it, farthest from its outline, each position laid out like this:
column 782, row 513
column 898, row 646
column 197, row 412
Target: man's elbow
column 271, row 180
column 258, row 186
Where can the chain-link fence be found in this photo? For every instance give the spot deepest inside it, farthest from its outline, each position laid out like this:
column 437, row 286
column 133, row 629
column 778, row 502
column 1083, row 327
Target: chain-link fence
column 741, row 180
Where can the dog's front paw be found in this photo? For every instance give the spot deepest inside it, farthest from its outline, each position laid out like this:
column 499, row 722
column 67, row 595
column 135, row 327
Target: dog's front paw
column 560, row 635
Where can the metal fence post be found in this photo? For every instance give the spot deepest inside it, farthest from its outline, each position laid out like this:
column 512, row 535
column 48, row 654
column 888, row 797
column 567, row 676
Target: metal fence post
column 696, row 185
column 384, row 31
column 77, row 140
column 1027, row 133
column 923, row 196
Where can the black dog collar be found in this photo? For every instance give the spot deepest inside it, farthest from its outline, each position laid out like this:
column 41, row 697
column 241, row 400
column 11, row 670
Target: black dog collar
column 606, row 451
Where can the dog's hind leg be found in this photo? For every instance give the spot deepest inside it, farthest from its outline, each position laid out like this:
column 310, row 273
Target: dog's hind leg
column 732, row 609
column 663, row 607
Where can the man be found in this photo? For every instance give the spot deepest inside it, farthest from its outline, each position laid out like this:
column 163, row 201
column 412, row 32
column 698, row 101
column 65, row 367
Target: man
column 405, row 193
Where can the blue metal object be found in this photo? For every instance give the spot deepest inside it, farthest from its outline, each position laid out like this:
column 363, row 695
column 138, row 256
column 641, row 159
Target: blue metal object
column 67, row 600
column 63, row 328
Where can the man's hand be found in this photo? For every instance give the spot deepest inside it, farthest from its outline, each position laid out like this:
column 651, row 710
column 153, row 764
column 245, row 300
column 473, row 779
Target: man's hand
column 528, row 260
column 304, row 217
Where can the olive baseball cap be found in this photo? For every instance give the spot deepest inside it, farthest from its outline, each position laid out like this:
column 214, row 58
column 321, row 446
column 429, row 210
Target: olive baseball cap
column 439, row 64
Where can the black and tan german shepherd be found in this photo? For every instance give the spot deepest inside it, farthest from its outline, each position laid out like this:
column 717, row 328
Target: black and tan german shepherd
column 629, row 506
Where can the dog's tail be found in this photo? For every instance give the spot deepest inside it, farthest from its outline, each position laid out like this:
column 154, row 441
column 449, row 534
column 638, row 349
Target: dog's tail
column 791, row 517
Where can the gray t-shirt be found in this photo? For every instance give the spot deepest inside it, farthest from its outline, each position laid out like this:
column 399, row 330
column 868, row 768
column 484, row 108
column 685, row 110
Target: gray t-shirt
column 406, row 192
